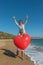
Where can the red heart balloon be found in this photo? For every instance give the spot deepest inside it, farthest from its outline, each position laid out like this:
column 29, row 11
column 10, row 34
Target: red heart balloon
column 22, row 42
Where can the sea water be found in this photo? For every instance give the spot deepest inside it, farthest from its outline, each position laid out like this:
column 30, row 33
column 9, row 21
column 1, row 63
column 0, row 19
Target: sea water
column 35, row 51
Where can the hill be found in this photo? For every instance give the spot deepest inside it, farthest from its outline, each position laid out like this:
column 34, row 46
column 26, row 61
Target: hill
column 4, row 35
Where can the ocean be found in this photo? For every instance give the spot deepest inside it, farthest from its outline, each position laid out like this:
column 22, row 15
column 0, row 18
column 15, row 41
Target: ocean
column 35, row 51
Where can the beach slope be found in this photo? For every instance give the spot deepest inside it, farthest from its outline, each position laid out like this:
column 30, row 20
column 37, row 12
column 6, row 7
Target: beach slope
column 8, row 54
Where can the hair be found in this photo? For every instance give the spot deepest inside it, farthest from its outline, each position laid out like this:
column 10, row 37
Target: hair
column 20, row 20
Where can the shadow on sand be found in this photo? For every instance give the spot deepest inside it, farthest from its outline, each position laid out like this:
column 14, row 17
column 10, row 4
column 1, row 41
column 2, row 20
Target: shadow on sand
column 9, row 53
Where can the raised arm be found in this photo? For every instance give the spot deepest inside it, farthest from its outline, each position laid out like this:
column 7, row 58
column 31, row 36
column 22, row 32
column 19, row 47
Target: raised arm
column 26, row 20
column 15, row 21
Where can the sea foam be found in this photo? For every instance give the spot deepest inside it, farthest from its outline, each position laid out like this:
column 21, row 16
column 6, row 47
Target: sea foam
column 35, row 53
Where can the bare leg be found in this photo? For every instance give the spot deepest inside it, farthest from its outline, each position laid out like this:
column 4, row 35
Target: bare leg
column 18, row 34
column 17, row 53
column 22, row 54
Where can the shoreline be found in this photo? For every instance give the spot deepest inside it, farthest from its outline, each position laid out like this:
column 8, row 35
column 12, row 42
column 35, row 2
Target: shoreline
column 31, row 59
column 8, row 47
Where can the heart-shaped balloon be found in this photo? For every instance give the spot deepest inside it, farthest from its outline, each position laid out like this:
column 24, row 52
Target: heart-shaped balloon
column 22, row 42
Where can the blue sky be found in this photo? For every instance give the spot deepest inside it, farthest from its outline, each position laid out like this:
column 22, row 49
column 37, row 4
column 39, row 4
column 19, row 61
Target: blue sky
column 19, row 9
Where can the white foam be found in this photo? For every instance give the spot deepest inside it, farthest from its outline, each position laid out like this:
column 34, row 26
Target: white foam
column 35, row 54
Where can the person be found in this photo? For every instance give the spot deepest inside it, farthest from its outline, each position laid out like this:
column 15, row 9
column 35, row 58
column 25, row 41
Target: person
column 21, row 26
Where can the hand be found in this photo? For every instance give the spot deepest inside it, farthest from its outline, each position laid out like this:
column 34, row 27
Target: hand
column 14, row 17
column 26, row 17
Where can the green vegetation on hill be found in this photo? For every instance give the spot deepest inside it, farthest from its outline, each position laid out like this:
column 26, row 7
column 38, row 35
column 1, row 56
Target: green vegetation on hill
column 4, row 35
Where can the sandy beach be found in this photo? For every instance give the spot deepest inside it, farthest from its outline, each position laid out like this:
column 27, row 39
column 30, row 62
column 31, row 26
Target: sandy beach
column 8, row 54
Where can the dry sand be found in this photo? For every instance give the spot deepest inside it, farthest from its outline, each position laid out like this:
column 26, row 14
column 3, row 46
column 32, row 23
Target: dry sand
column 8, row 54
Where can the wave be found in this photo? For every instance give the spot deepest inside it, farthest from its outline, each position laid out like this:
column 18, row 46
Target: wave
column 35, row 53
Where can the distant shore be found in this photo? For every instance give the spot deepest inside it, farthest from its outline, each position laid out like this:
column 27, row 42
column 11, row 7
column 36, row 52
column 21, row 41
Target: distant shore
column 36, row 37
column 8, row 54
